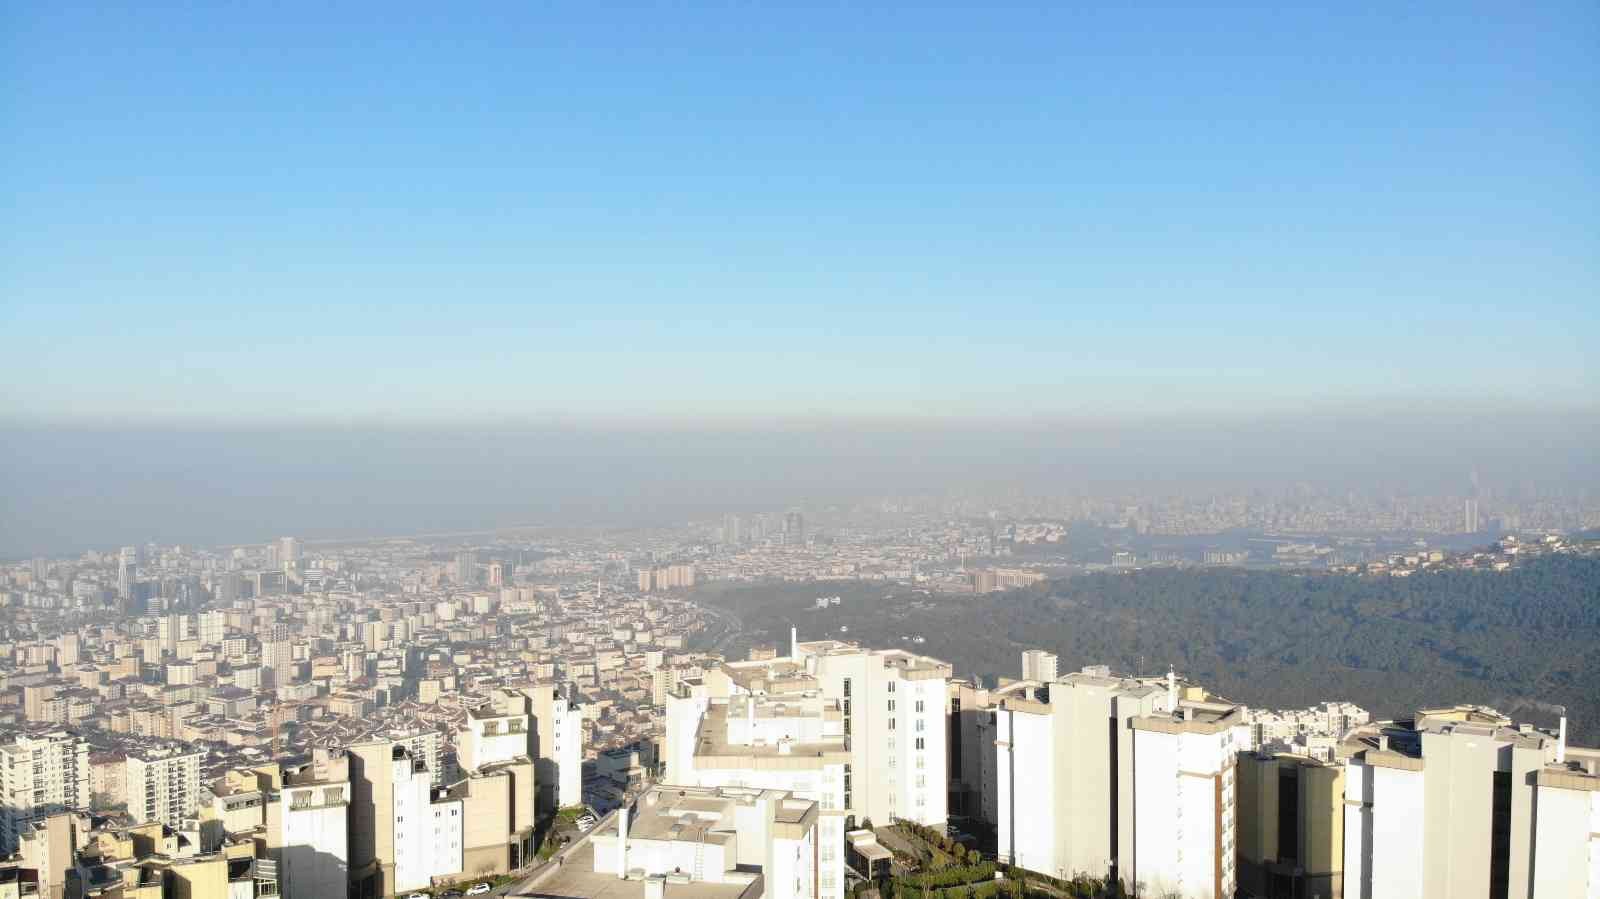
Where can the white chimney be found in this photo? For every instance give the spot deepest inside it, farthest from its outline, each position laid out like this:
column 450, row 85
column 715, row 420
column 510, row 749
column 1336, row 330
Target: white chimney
column 1172, row 690
column 1561, row 743
column 794, row 643
column 622, row 843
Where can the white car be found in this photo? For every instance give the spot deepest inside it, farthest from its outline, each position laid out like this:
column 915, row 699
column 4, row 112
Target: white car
column 419, row 896
column 478, row 889
column 585, row 823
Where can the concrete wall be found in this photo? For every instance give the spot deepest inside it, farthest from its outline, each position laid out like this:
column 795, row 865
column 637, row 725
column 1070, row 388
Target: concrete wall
column 1567, row 863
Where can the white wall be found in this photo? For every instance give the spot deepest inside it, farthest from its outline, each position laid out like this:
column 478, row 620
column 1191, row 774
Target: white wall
column 314, row 853
column 1025, row 790
column 1397, row 816
column 1567, row 859
column 569, row 752
column 1156, row 803
column 427, row 834
column 793, row 874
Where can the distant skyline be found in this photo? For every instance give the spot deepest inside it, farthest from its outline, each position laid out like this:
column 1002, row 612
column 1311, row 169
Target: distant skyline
column 226, row 216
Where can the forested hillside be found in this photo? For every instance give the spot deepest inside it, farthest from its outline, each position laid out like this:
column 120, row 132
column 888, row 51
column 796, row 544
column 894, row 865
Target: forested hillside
column 1524, row 640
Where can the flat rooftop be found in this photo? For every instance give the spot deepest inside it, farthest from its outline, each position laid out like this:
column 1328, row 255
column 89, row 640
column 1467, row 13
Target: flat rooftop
column 577, row 879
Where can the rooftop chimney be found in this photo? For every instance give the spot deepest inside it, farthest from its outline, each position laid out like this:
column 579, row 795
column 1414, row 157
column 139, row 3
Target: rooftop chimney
column 1172, row 690
column 794, row 643
column 1561, row 743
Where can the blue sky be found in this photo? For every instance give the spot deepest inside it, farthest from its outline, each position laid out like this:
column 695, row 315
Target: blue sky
column 546, row 212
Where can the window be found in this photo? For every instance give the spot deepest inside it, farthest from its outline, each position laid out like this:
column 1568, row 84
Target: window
column 891, row 724
column 919, row 706
column 920, row 723
column 891, row 705
column 920, row 743
column 891, row 686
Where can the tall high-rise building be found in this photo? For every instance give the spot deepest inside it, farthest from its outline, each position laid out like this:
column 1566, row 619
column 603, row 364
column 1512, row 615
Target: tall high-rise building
column 732, row 530
column 163, row 785
column 794, row 529
column 127, row 565
column 288, row 550
column 497, row 573
column 466, row 567
column 1471, row 523
column 41, row 775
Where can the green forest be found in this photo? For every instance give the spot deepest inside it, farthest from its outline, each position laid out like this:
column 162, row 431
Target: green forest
column 1523, row 641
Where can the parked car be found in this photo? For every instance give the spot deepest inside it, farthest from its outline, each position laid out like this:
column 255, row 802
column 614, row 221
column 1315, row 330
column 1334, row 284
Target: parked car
column 419, row 896
column 586, row 822
column 478, row 889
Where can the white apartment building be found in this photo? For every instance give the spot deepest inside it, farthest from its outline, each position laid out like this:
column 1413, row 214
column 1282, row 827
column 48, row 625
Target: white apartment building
column 427, row 828
column 163, row 785
column 308, row 831
column 1461, row 802
column 1059, row 781
column 895, row 727
column 498, row 732
column 792, row 743
column 40, row 775
column 723, row 837
column 1038, row 665
column 1566, row 845
column 1185, row 833
column 559, row 767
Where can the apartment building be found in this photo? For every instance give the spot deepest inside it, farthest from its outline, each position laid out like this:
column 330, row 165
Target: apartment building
column 427, row 826
column 41, row 774
column 1038, row 665
column 558, row 725
column 1185, row 834
column 893, row 705
column 1463, row 802
column 1060, row 789
column 163, row 785
column 713, row 843
column 308, row 821
column 1291, row 825
column 788, row 742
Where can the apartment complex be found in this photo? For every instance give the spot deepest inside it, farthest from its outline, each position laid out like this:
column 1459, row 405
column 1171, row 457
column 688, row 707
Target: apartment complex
column 666, row 577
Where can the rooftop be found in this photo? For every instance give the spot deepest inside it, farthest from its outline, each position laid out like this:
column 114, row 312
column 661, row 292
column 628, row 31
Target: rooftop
column 577, row 879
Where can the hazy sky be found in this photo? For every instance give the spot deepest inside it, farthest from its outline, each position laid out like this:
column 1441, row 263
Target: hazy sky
column 691, row 211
